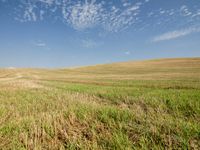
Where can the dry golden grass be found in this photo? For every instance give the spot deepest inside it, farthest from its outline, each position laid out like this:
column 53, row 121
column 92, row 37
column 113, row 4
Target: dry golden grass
column 151, row 104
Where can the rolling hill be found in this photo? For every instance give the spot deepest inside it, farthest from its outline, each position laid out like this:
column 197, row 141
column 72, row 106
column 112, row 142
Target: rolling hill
column 152, row 104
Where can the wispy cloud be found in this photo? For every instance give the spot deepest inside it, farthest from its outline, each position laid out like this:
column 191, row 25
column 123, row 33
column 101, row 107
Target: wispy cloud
column 88, row 43
column 82, row 15
column 29, row 13
column 176, row 34
column 110, row 16
column 119, row 19
column 127, row 53
column 185, row 11
column 39, row 43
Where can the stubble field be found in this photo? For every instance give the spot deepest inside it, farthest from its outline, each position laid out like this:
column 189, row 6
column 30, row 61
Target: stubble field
column 152, row 104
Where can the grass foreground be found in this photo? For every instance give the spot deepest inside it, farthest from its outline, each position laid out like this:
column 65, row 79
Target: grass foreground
column 151, row 104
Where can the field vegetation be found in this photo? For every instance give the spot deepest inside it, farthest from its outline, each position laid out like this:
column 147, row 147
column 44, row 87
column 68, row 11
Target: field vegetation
column 152, row 104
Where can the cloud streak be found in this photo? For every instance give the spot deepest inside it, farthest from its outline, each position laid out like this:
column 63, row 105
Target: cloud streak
column 175, row 34
column 39, row 44
column 88, row 43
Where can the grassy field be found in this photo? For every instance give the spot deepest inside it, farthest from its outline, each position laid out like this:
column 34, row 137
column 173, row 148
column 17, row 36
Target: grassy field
column 151, row 104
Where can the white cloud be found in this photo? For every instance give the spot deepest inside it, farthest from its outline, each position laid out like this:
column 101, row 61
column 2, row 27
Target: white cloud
column 29, row 13
column 80, row 14
column 88, row 43
column 196, row 14
column 107, row 15
column 185, row 11
column 49, row 2
column 83, row 15
column 176, row 34
column 89, row 14
column 127, row 53
column 121, row 19
column 39, row 43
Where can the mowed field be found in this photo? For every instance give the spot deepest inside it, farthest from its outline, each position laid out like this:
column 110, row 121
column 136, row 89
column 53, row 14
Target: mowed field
column 152, row 104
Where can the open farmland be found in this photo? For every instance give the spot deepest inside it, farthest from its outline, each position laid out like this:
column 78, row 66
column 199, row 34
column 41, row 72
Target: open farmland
column 152, row 104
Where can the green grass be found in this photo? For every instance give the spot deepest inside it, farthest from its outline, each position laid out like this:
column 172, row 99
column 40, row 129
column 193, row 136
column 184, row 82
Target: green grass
column 116, row 106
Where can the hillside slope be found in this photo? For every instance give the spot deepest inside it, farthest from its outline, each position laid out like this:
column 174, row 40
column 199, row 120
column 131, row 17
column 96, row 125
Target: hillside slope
column 160, row 66
column 152, row 104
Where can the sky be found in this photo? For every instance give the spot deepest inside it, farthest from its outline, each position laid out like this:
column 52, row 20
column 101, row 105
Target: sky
column 71, row 33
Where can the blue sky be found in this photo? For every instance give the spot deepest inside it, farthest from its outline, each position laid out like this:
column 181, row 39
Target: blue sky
column 64, row 33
